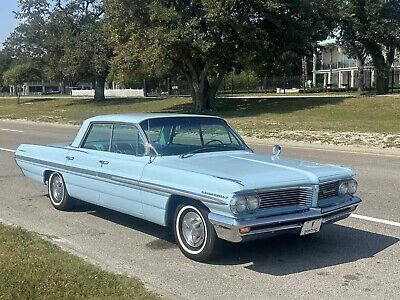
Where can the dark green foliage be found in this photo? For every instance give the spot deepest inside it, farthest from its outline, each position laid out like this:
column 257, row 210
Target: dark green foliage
column 205, row 39
column 372, row 27
column 67, row 38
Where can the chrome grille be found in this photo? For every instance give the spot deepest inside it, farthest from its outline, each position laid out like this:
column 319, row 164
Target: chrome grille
column 285, row 197
column 328, row 189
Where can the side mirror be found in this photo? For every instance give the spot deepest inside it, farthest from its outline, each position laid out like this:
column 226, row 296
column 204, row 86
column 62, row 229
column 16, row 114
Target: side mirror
column 150, row 151
column 276, row 150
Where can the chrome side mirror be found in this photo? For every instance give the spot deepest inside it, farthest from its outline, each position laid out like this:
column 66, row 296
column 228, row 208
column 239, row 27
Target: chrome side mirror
column 150, row 151
column 276, row 150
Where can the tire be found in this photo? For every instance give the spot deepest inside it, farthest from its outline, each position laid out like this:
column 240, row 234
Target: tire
column 58, row 194
column 194, row 234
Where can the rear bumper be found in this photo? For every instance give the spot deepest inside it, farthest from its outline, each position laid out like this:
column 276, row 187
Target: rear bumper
column 227, row 228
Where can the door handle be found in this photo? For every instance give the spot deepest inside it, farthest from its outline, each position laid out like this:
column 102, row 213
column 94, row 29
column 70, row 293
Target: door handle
column 103, row 162
column 70, row 157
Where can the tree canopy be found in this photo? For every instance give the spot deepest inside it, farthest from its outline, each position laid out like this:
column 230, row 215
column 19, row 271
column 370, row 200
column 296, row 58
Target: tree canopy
column 67, row 38
column 205, row 39
column 372, row 27
column 200, row 40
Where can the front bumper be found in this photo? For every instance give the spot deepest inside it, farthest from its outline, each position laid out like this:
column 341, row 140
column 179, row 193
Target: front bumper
column 227, row 228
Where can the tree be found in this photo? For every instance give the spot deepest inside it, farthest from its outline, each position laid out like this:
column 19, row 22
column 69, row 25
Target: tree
column 20, row 73
column 85, row 50
column 205, row 39
column 372, row 27
column 5, row 63
column 66, row 37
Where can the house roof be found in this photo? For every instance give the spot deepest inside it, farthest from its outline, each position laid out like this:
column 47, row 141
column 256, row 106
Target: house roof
column 329, row 41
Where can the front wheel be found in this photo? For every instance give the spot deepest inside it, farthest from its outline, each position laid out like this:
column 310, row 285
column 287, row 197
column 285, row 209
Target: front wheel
column 194, row 234
column 58, row 194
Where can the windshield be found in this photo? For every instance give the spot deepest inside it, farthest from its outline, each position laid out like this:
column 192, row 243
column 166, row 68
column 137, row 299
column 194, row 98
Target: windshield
column 184, row 135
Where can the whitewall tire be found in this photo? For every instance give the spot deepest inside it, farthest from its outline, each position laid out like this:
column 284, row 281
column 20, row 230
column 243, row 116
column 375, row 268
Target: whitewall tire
column 194, row 234
column 58, row 194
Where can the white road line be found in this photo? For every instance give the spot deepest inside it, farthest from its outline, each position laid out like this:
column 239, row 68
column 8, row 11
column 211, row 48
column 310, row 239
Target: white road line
column 11, row 130
column 376, row 220
column 7, row 150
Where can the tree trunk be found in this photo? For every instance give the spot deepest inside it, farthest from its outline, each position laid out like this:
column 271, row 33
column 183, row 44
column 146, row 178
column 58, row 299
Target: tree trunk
column 382, row 80
column 360, row 66
column 200, row 97
column 18, row 94
column 204, row 94
column 61, row 87
column 99, row 86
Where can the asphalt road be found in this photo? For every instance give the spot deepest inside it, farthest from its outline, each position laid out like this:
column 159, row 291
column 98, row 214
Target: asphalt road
column 357, row 259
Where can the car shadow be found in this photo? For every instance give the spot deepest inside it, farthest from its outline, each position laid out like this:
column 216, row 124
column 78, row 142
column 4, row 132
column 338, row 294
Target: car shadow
column 289, row 254
column 131, row 222
column 279, row 255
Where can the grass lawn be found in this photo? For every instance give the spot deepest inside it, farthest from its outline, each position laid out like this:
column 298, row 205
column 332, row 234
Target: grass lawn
column 253, row 117
column 31, row 268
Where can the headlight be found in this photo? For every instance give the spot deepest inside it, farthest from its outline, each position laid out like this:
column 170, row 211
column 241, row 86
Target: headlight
column 343, row 188
column 240, row 204
column 253, row 202
column 352, row 186
column 348, row 187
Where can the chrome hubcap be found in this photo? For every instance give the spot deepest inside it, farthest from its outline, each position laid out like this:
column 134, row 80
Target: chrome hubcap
column 193, row 229
column 57, row 189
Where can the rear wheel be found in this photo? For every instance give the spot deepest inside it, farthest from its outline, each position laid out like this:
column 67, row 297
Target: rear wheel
column 194, row 234
column 58, row 194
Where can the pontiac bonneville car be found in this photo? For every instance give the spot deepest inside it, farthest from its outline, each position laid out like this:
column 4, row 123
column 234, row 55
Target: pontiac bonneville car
column 193, row 173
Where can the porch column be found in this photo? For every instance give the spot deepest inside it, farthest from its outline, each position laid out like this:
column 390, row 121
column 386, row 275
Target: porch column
column 325, row 80
column 398, row 82
column 329, row 78
column 314, row 74
column 352, row 83
column 372, row 77
column 340, row 80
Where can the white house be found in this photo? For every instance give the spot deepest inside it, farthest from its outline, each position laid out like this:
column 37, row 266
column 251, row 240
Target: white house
column 333, row 67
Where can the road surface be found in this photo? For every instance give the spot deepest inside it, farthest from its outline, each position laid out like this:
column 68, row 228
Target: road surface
column 357, row 258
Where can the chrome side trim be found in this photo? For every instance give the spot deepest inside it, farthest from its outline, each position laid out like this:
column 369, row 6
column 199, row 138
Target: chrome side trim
column 148, row 186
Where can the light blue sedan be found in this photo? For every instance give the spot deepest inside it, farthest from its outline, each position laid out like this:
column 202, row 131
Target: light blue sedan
column 193, row 173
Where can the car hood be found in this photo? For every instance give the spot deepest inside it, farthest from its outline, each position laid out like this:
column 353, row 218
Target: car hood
column 252, row 171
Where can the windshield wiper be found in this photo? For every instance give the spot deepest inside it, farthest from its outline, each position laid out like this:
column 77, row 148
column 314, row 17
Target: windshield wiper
column 205, row 148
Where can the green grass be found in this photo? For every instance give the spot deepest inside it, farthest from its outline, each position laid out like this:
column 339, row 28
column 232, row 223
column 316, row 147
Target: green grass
column 31, row 268
column 358, row 113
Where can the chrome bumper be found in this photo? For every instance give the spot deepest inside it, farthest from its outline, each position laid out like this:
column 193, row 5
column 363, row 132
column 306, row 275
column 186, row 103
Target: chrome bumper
column 227, row 228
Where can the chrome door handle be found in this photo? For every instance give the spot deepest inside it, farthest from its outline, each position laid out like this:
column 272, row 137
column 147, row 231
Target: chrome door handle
column 70, row 157
column 104, row 162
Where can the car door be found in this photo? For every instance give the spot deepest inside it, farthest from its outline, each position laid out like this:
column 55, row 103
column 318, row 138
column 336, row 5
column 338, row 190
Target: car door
column 84, row 164
column 122, row 168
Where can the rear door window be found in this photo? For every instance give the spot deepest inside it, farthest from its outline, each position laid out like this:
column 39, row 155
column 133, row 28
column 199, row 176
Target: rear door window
column 98, row 137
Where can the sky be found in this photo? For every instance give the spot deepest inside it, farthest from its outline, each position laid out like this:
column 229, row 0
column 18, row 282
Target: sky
column 7, row 20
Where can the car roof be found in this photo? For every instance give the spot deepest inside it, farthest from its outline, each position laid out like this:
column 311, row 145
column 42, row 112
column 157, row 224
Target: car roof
column 139, row 117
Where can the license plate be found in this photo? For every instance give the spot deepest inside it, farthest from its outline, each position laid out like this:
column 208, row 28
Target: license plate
column 310, row 227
